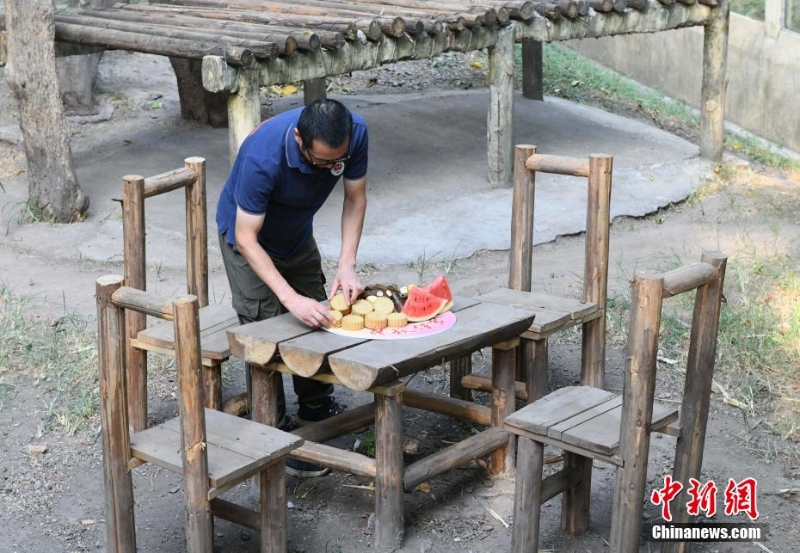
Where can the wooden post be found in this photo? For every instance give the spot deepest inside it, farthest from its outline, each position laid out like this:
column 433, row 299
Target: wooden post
column 532, row 70
column 272, row 491
column 500, row 124
column 459, row 368
column 503, row 404
column 637, row 411
column 575, row 500
column 521, row 254
column 135, row 271
column 715, row 68
column 596, row 268
column 527, row 496
column 389, row 461
column 697, row 389
column 199, row 526
column 244, row 109
column 314, row 89
column 534, row 365
column 265, row 386
column 120, row 524
column 212, row 381
column 197, row 232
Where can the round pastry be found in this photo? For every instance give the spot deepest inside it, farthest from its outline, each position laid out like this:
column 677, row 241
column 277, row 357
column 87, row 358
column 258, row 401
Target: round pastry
column 339, row 303
column 361, row 307
column 383, row 305
column 352, row 322
column 337, row 315
column 396, row 320
column 375, row 321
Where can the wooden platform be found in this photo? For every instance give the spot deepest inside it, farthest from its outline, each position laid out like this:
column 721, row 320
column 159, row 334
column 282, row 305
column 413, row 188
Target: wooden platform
column 247, row 44
column 215, row 321
column 584, row 417
column 235, row 446
column 552, row 313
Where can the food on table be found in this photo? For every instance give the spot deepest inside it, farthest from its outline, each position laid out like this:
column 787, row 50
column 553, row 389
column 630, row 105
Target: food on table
column 384, row 291
column 339, row 303
column 352, row 322
column 383, row 305
column 337, row 316
column 379, row 306
column 396, row 320
column 441, row 289
column 422, row 306
column 361, row 307
column 375, row 321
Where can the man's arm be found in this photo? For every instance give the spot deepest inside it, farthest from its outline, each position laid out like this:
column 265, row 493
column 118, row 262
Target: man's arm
column 307, row 310
column 353, row 210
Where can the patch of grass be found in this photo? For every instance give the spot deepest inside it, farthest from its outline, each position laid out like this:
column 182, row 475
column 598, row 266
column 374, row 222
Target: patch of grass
column 755, row 150
column 367, row 446
column 5, row 387
column 422, row 264
column 56, row 355
column 19, row 213
column 753, row 9
column 758, row 346
column 574, row 77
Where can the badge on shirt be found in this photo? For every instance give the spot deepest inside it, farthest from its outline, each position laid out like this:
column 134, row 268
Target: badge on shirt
column 337, row 169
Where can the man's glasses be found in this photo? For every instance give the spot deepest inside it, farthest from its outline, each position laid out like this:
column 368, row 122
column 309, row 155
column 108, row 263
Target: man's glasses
column 318, row 162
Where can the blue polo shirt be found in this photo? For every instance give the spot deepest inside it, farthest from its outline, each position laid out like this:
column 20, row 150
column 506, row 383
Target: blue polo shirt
column 270, row 177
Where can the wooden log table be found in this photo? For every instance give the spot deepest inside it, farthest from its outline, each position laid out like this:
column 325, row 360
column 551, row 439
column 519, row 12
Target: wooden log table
column 283, row 344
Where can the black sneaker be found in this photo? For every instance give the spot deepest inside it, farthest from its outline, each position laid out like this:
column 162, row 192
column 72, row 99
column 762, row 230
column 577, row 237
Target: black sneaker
column 314, row 412
column 304, row 469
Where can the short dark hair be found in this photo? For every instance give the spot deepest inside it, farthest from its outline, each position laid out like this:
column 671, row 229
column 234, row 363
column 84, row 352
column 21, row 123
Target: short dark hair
column 326, row 120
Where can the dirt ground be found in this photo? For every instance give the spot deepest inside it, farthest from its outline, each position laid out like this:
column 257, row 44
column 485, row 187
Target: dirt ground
column 51, row 487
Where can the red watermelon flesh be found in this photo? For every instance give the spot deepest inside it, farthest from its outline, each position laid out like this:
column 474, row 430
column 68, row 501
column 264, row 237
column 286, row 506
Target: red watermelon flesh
column 441, row 289
column 422, row 306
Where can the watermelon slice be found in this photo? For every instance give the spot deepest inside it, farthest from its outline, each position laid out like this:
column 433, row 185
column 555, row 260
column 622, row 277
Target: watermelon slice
column 441, row 289
column 422, row 306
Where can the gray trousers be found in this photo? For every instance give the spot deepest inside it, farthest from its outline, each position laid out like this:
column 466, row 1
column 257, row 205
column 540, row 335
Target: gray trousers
column 254, row 301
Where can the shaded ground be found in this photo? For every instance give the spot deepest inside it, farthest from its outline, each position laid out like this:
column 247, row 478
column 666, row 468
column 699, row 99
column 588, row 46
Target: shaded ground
column 53, row 500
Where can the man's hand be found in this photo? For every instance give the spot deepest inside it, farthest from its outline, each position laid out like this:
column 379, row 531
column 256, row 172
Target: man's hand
column 309, row 311
column 347, row 281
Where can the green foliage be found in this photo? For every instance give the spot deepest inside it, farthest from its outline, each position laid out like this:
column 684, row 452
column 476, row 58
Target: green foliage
column 368, row 444
column 753, row 9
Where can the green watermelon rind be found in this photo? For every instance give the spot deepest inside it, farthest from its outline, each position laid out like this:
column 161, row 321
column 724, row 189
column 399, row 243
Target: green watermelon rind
column 417, row 298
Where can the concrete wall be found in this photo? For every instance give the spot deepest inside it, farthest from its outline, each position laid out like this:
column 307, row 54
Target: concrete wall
column 763, row 93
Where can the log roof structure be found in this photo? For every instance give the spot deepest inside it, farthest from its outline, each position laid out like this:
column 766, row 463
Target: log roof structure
column 245, row 44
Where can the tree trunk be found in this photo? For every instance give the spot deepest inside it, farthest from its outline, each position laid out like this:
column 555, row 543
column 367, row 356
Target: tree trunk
column 197, row 103
column 77, row 74
column 53, row 188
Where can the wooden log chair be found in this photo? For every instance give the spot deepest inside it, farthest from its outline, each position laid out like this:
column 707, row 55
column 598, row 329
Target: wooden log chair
column 553, row 313
column 214, row 319
column 590, row 423
column 213, row 450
